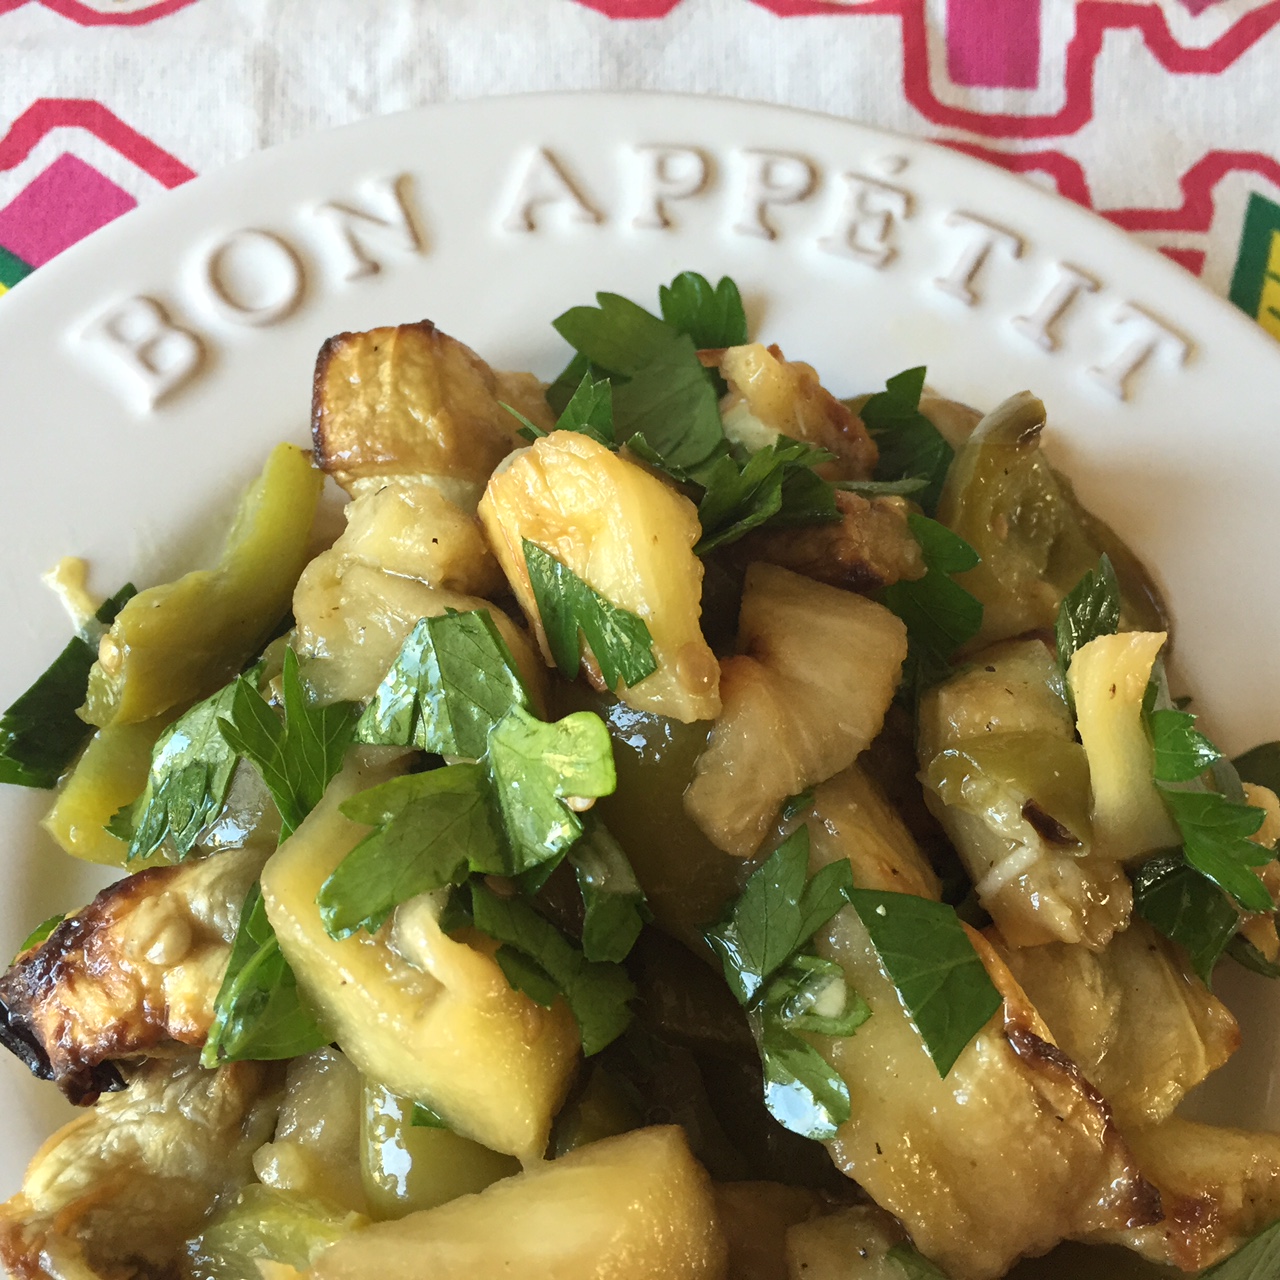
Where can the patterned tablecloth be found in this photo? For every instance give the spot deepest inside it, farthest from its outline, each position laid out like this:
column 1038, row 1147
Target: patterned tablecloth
column 1162, row 115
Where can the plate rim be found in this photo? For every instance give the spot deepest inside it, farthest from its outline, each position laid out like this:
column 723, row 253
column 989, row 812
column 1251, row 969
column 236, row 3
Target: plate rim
column 65, row 271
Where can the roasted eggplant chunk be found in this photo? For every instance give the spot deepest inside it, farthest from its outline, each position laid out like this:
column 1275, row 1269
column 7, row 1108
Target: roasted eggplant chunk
column 868, row 548
column 116, row 1192
column 412, row 401
column 135, row 973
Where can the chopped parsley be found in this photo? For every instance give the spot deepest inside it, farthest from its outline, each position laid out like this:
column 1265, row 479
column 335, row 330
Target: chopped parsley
column 779, row 910
column 613, row 903
column 910, row 446
column 568, row 608
column 617, row 335
column 422, row 1117
column 1244, row 953
column 1187, row 908
column 258, row 1014
column 539, row 960
column 712, row 316
column 641, row 375
column 1089, row 610
column 430, row 830
column 913, row 1264
column 775, row 484
column 1182, row 752
column 1215, row 829
column 671, row 405
column 191, row 769
column 1188, row 895
column 590, row 410
column 41, row 933
column 297, row 757
column 761, row 944
column 452, row 681
column 1215, row 840
column 512, row 812
column 940, row 615
column 536, row 769
column 929, row 958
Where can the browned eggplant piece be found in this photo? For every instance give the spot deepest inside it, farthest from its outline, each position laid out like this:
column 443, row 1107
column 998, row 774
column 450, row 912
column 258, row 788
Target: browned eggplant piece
column 412, row 401
column 135, row 973
column 1218, row 1187
column 637, row 1206
column 1011, row 786
column 771, row 394
column 804, row 696
column 1011, row 1152
column 870, row 547
column 1134, row 1018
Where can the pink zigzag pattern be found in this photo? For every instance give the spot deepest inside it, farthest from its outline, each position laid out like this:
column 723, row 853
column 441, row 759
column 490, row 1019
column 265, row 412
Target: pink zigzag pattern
column 46, row 114
column 1194, row 214
column 1094, row 18
column 84, row 16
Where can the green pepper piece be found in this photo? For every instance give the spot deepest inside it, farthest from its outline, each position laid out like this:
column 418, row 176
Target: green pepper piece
column 407, row 1166
column 1034, row 537
column 686, row 880
column 109, row 774
column 174, row 644
column 1016, row 781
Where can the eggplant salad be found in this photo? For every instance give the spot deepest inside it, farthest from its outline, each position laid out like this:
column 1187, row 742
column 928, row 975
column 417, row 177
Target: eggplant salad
column 686, row 826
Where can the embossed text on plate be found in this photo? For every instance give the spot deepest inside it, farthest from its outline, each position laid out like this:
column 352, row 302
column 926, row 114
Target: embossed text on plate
column 667, row 173
column 542, row 184
column 1146, row 336
column 867, row 221
column 1039, row 325
column 768, row 179
column 387, row 221
column 254, row 277
column 869, row 214
column 983, row 236
column 142, row 351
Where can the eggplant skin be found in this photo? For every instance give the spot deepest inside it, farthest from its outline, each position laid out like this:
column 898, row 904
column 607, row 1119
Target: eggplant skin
column 89, row 1084
column 135, row 973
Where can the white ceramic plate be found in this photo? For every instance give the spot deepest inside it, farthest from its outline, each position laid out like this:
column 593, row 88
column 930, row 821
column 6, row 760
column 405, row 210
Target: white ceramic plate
column 145, row 373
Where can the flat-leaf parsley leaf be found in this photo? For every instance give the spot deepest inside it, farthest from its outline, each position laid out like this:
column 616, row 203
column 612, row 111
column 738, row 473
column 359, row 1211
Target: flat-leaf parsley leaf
column 910, row 445
column 431, row 829
column 939, row 613
column 536, row 768
column 712, row 317
column 452, row 681
column 568, row 607
column 298, row 757
column 40, row 733
column 191, row 769
column 930, row 960
column 1089, row 610
column 258, row 1015
column 549, row 964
